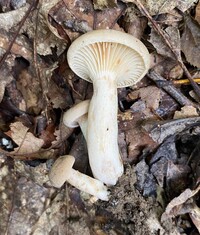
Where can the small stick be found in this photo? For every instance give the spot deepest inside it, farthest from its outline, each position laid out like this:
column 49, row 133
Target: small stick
column 185, row 81
column 169, row 88
column 167, row 41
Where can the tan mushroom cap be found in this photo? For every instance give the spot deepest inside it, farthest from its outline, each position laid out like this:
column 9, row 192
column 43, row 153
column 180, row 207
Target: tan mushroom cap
column 100, row 52
column 61, row 170
column 72, row 116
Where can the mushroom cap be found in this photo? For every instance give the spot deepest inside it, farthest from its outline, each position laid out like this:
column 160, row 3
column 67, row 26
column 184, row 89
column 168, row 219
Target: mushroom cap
column 61, row 170
column 107, row 52
column 71, row 117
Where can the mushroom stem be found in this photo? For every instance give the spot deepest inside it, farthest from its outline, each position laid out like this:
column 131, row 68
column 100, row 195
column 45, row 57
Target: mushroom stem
column 83, row 123
column 62, row 171
column 102, row 133
column 88, row 184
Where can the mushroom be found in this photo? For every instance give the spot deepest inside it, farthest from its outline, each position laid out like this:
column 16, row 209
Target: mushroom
column 77, row 116
column 62, row 171
column 110, row 59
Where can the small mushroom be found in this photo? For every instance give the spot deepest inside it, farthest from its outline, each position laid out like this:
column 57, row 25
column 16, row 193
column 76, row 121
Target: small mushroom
column 110, row 59
column 62, row 171
column 77, row 116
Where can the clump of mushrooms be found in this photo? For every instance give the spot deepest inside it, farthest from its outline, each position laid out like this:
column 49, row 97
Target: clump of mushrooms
column 62, row 171
column 110, row 59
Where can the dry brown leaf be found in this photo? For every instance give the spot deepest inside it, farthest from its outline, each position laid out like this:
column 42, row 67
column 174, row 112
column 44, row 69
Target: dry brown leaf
column 26, row 141
column 173, row 35
column 186, row 111
column 190, row 41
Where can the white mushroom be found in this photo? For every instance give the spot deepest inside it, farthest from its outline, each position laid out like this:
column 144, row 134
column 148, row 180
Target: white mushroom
column 77, row 116
column 109, row 59
column 62, row 171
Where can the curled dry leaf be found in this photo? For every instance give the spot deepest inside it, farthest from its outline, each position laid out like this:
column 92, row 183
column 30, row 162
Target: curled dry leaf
column 175, row 205
column 190, row 41
column 26, row 141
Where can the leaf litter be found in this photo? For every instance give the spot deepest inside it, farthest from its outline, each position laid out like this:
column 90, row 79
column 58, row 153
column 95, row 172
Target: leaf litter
column 158, row 120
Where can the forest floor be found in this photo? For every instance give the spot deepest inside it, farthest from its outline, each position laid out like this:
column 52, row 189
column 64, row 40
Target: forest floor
column 158, row 119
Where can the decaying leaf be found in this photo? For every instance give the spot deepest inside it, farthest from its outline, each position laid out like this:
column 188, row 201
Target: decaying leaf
column 101, row 4
column 175, row 205
column 190, row 41
column 197, row 13
column 12, row 18
column 186, row 112
column 26, row 141
column 5, row 79
column 156, row 7
column 173, row 35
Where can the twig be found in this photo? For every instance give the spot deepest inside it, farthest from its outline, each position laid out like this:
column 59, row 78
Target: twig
column 32, row 7
column 35, row 59
column 169, row 88
column 185, row 81
column 168, row 43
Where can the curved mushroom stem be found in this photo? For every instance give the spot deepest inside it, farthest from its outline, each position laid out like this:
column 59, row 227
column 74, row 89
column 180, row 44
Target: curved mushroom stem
column 88, row 184
column 83, row 123
column 102, row 132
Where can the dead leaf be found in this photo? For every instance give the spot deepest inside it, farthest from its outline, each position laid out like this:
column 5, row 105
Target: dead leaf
column 26, row 141
column 134, row 24
column 11, row 19
column 197, row 13
column 5, row 79
column 190, row 41
column 173, row 36
column 102, row 4
column 45, row 36
column 156, row 7
column 186, row 112
column 175, row 205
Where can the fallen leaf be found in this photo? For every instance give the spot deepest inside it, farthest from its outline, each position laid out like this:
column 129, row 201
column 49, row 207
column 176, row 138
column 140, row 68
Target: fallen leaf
column 11, row 19
column 5, row 78
column 186, row 112
column 190, row 41
column 156, row 7
column 44, row 34
column 134, row 24
column 172, row 33
column 26, row 141
column 175, row 205
column 102, row 4
column 197, row 13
